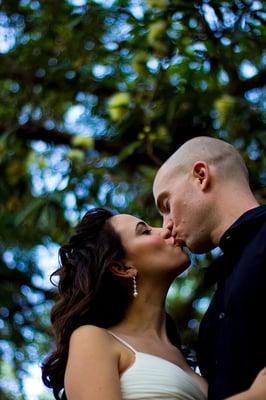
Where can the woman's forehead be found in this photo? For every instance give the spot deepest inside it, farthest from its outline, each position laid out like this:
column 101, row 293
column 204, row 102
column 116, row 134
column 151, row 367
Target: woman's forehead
column 122, row 221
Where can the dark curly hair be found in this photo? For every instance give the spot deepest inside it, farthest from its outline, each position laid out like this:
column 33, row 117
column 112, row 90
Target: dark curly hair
column 89, row 293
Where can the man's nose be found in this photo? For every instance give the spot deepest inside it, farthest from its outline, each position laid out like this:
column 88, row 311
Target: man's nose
column 173, row 228
column 168, row 223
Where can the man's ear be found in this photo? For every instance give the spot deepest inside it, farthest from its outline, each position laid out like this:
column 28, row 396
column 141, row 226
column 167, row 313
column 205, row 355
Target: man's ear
column 201, row 173
column 122, row 270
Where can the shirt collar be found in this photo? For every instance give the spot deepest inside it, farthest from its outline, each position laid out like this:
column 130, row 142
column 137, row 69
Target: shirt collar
column 242, row 227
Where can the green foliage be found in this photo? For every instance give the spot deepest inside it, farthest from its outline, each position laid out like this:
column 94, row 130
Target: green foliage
column 93, row 98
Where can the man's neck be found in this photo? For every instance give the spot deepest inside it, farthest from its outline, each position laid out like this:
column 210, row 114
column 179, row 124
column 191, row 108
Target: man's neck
column 229, row 212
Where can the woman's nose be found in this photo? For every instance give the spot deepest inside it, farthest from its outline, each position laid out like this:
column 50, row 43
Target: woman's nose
column 166, row 232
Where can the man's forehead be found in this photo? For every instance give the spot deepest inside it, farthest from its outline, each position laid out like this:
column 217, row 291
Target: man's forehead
column 162, row 181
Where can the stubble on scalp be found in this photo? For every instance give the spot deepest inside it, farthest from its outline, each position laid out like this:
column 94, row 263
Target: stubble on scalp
column 218, row 153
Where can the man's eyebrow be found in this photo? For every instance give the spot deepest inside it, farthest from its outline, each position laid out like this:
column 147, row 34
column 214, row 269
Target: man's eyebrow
column 140, row 223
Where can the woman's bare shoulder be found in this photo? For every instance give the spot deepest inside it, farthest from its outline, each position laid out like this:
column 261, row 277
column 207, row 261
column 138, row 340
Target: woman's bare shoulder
column 89, row 336
column 85, row 330
column 91, row 350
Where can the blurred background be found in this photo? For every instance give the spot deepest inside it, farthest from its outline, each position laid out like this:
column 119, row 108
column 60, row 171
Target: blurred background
column 94, row 96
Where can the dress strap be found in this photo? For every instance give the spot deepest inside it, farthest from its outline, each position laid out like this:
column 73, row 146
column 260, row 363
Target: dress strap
column 123, row 341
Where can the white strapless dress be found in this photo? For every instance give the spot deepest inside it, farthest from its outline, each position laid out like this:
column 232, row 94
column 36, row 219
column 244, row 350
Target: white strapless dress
column 152, row 377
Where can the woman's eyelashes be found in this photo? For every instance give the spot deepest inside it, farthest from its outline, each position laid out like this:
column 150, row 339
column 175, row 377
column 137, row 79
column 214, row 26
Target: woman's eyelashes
column 146, row 231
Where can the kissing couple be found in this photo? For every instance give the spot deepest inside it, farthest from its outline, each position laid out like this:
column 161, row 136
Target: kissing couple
column 114, row 339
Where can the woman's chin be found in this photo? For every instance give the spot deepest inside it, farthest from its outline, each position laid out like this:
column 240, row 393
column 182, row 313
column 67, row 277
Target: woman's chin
column 185, row 264
column 182, row 265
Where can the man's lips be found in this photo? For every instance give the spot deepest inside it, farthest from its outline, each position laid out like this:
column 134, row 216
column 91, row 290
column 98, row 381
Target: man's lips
column 179, row 242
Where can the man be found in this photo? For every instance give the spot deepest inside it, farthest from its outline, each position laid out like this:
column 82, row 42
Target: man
column 203, row 193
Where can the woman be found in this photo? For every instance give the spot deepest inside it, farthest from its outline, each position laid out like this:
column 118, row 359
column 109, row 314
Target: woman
column 113, row 340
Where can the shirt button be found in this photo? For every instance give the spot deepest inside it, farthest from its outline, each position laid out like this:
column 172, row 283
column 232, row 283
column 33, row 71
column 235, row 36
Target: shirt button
column 228, row 237
column 221, row 315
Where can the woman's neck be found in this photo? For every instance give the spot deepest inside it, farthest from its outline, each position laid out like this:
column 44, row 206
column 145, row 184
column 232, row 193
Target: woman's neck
column 146, row 315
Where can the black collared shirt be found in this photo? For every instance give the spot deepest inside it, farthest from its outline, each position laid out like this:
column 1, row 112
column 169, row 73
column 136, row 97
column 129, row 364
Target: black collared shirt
column 232, row 336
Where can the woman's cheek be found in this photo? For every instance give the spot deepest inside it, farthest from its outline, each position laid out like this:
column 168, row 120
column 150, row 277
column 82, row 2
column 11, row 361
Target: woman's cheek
column 157, row 241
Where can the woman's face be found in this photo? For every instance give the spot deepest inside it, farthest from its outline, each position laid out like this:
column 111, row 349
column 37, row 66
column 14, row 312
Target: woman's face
column 148, row 249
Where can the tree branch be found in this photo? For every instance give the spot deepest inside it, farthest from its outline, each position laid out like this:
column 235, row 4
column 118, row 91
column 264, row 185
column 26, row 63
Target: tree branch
column 111, row 146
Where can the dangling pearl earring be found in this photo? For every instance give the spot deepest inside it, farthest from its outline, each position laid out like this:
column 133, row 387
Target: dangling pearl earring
column 135, row 292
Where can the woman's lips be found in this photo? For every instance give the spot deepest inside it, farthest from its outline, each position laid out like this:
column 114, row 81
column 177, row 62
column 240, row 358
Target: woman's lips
column 170, row 241
column 175, row 242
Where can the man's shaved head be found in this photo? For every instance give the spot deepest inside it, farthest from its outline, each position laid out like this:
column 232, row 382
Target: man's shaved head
column 197, row 185
column 213, row 151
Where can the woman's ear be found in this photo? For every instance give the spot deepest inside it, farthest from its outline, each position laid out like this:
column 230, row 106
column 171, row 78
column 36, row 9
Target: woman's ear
column 201, row 173
column 122, row 270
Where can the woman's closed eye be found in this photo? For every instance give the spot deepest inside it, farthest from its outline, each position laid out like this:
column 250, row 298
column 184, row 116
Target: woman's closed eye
column 142, row 228
column 146, row 232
